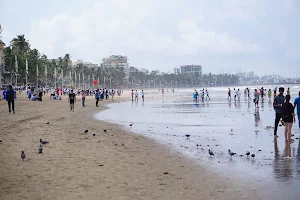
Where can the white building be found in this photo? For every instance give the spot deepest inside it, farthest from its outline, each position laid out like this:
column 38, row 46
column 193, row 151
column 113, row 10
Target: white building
column 191, row 69
column 88, row 64
column 117, row 61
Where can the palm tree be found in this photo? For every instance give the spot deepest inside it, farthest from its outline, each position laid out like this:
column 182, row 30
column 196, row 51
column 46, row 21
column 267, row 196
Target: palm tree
column 20, row 45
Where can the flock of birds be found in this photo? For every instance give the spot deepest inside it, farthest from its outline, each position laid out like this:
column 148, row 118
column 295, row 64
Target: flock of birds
column 40, row 150
column 229, row 151
column 232, row 153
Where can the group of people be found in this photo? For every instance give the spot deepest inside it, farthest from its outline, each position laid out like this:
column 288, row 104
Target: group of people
column 284, row 110
column 204, row 95
column 135, row 95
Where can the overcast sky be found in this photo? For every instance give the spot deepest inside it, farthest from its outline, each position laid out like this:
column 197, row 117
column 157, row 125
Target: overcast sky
column 259, row 35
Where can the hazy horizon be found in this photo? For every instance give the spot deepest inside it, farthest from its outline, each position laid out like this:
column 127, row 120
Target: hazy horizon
column 248, row 35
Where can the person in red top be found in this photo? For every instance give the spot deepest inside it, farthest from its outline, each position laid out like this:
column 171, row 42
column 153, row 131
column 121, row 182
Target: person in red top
column 132, row 94
column 57, row 91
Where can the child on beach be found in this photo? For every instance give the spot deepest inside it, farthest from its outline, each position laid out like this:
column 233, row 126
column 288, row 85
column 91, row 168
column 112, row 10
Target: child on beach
column 207, row 95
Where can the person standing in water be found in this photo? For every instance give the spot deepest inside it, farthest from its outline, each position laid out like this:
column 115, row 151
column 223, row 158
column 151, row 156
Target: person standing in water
column 132, row 94
column 269, row 93
column 238, row 93
column 234, row 93
column 297, row 104
column 256, row 98
column 277, row 104
column 288, row 116
column 229, row 94
column 288, row 91
column 207, row 95
column 143, row 95
column 136, row 96
column 72, row 99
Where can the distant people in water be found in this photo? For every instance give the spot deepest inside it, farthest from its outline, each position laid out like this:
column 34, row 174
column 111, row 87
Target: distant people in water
column 229, row 94
column 256, row 98
column 207, row 95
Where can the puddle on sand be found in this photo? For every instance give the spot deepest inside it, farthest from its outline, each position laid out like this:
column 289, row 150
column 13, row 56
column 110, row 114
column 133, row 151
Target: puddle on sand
column 219, row 125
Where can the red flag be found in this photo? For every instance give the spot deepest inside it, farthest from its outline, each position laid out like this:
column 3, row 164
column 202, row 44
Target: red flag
column 95, row 82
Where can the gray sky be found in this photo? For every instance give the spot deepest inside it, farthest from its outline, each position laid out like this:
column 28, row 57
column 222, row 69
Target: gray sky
column 259, row 35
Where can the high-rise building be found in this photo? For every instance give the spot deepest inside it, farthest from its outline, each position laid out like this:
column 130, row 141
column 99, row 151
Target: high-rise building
column 88, row 64
column 117, row 61
column 191, row 69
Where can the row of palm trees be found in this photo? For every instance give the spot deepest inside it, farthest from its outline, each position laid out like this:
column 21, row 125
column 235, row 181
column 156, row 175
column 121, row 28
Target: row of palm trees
column 24, row 65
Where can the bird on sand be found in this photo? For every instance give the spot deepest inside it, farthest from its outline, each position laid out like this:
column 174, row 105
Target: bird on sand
column 231, row 153
column 187, row 135
column 23, row 156
column 131, row 124
column 247, row 153
column 253, row 155
column 86, row 131
column 41, row 148
column 43, row 141
column 210, row 152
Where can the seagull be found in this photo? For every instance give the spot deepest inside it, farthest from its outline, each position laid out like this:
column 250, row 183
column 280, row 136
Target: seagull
column 131, row 124
column 210, row 152
column 41, row 148
column 187, row 135
column 86, row 131
column 253, row 155
column 23, row 156
column 43, row 142
column 247, row 153
column 231, row 153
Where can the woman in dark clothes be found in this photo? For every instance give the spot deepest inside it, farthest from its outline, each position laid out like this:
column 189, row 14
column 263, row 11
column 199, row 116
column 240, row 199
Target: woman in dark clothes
column 288, row 117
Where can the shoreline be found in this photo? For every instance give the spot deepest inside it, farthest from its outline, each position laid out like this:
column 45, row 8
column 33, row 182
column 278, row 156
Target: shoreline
column 133, row 166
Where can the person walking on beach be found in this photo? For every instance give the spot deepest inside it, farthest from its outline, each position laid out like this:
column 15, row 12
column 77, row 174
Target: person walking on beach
column 136, row 96
column 256, row 98
column 234, row 93
column 288, row 116
column 132, row 95
column 83, row 97
column 10, row 98
column 143, row 95
column 277, row 104
column 229, row 94
column 297, row 104
column 288, row 91
column 72, row 99
column 97, row 97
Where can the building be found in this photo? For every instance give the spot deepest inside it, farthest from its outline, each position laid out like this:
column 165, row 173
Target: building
column 115, row 61
column 88, row 64
column 176, row 71
column 191, row 69
column 1, row 61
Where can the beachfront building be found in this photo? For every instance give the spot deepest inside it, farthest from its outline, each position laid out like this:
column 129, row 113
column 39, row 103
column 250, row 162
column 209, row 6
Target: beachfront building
column 176, row 71
column 191, row 69
column 88, row 64
column 117, row 61
column 1, row 61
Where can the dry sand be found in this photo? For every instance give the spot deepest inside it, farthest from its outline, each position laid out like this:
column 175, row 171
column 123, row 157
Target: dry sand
column 111, row 165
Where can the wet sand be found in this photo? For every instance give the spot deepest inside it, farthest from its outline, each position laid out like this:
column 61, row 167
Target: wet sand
column 116, row 164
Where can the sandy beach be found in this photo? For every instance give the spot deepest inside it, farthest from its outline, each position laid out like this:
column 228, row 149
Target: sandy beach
column 111, row 165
